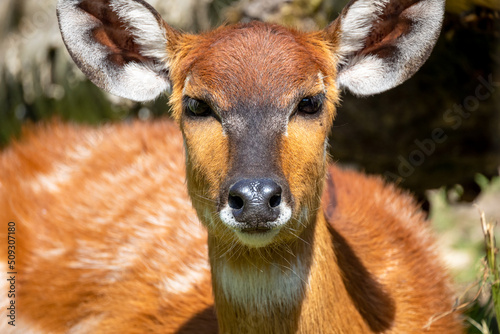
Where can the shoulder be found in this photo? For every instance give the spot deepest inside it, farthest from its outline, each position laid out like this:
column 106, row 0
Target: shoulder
column 379, row 230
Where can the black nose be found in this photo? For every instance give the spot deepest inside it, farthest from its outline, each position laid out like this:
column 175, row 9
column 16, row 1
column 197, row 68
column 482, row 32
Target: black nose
column 255, row 201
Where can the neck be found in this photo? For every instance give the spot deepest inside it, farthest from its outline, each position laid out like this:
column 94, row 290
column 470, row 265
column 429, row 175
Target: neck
column 291, row 288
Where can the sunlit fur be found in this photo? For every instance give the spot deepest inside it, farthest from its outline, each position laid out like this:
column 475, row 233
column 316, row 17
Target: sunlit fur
column 108, row 241
column 90, row 258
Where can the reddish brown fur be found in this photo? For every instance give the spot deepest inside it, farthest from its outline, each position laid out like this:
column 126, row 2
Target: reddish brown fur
column 86, row 250
column 53, row 297
column 394, row 254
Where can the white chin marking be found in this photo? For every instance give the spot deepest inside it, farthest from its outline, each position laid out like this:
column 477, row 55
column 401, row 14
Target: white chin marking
column 259, row 239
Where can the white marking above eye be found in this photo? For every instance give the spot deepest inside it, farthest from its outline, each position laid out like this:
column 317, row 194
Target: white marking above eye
column 188, row 77
column 322, row 81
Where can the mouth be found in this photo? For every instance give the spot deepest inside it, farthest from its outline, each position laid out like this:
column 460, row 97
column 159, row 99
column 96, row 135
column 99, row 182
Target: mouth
column 256, row 237
column 262, row 228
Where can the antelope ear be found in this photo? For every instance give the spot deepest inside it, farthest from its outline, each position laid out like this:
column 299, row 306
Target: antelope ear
column 381, row 43
column 121, row 45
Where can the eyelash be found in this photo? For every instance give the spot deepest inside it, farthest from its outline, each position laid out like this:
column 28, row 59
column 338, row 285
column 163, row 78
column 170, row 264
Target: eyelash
column 310, row 105
column 197, row 108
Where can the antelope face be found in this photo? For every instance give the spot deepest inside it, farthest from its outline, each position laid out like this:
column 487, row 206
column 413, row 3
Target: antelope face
column 255, row 107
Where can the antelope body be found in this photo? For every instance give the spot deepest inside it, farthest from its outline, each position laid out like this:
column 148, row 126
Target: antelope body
column 109, row 239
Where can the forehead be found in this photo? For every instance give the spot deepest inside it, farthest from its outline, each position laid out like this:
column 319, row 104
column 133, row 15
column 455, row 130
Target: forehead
column 255, row 61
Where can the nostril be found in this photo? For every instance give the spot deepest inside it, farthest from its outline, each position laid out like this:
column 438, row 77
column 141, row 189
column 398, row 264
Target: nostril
column 235, row 202
column 275, row 200
column 254, row 201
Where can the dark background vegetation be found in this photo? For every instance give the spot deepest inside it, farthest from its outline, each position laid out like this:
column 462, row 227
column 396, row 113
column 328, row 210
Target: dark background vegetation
column 389, row 134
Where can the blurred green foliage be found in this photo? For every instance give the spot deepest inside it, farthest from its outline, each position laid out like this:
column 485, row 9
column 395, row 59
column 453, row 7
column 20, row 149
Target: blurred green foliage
column 461, row 243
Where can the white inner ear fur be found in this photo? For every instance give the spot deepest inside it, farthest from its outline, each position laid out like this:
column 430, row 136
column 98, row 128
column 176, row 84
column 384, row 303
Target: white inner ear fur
column 136, row 81
column 357, row 24
column 146, row 79
column 143, row 25
column 369, row 74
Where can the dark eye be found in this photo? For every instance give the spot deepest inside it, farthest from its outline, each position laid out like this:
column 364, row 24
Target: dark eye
column 197, row 107
column 310, row 105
